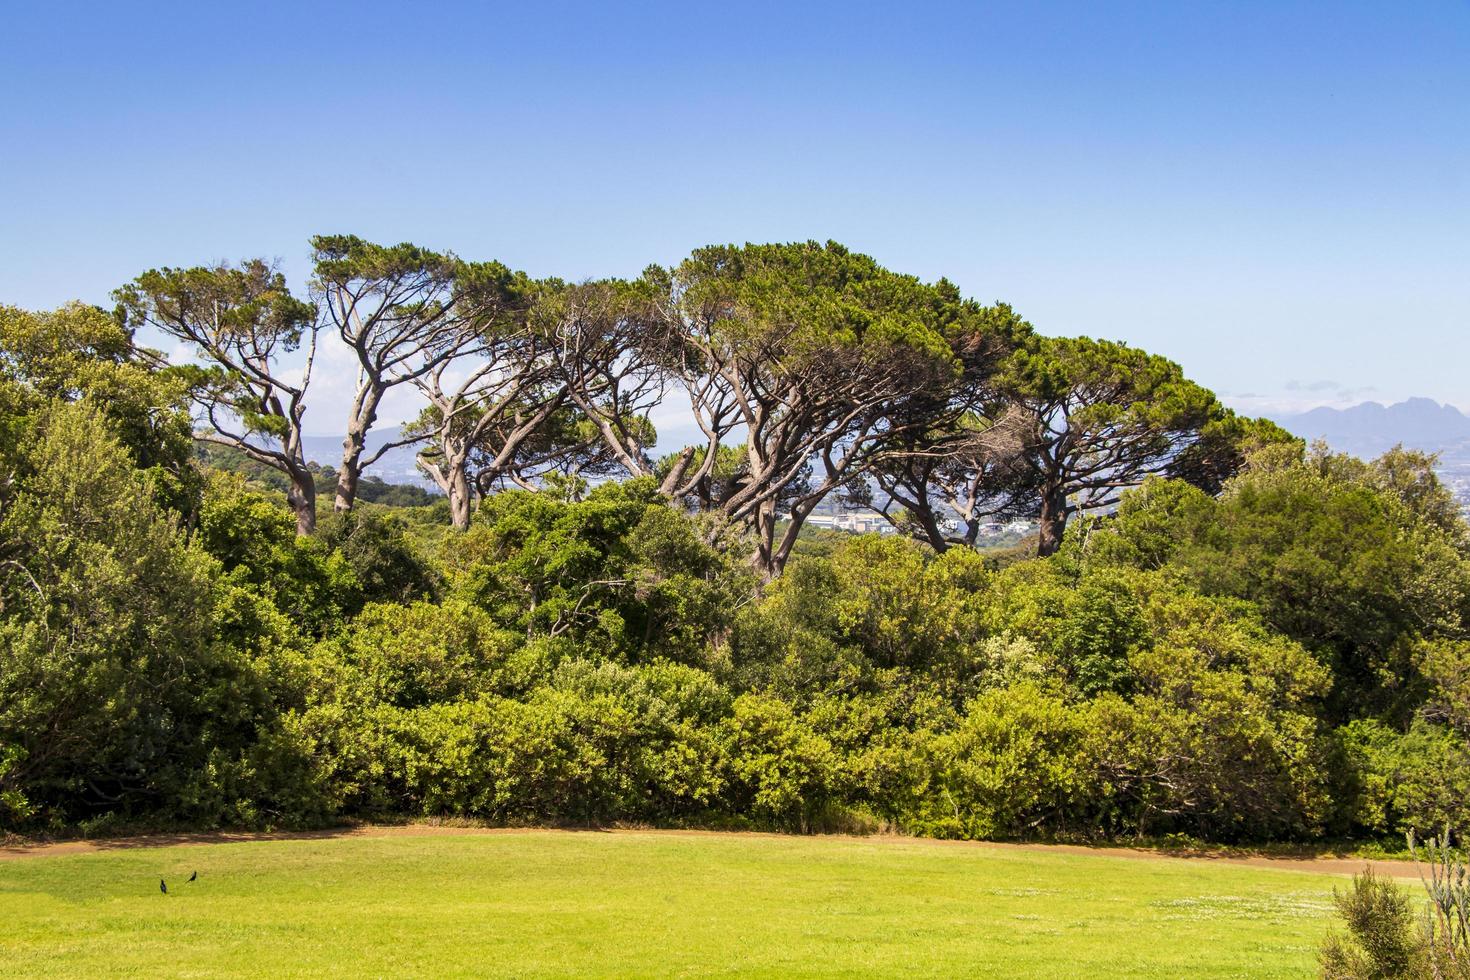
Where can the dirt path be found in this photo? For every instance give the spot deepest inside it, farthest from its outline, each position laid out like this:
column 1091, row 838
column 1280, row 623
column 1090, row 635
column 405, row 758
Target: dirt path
column 1317, row 865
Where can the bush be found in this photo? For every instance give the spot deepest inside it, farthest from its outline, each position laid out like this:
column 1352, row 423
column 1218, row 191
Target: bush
column 782, row 771
column 1086, row 627
column 116, row 694
column 1445, row 931
column 1380, row 944
column 386, row 565
column 1014, row 766
column 600, row 743
column 1285, row 660
column 619, row 572
column 1383, row 941
column 255, row 541
column 413, row 656
column 1417, row 780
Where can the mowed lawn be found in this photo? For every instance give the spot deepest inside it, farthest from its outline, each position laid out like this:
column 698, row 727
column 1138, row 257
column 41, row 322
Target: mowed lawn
column 632, row 903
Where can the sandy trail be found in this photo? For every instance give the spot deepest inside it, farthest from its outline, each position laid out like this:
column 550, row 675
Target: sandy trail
column 1317, row 865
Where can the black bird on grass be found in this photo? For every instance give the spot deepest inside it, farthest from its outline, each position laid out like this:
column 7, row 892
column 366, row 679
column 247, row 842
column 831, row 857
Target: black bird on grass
column 194, row 876
column 163, row 886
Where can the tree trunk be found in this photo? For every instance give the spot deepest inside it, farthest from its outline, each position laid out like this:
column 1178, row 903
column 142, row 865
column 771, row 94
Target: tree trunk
column 302, row 498
column 351, row 471
column 782, row 552
column 460, row 496
column 972, row 532
column 677, row 471
column 764, row 558
column 930, row 522
column 1053, row 520
column 364, row 414
column 771, row 555
column 450, row 473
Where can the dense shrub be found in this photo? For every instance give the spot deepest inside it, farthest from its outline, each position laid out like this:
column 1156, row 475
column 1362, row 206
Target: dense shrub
column 1416, row 780
column 1084, row 626
column 115, row 691
column 1332, row 555
column 256, row 543
column 781, row 770
column 1380, row 944
column 619, row 571
column 1015, row 763
column 386, row 564
column 413, row 656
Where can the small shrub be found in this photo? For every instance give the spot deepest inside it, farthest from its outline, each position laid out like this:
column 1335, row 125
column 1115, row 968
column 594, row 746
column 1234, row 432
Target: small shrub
column 1380, row 944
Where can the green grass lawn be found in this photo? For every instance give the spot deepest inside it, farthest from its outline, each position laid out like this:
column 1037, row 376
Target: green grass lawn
column 549, row 903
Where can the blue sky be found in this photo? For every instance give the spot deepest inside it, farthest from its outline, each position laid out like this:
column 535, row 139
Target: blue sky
column 1276, row 195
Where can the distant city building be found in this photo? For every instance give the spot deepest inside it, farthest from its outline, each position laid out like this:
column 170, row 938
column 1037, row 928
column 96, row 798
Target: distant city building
column 857, row 522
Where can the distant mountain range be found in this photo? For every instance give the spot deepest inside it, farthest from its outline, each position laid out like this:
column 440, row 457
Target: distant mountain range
column 1369, row 429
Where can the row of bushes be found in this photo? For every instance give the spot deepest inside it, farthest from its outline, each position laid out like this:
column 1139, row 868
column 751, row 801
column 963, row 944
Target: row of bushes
column 437, row 711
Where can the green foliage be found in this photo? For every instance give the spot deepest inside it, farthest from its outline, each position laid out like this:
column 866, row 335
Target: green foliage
column 113, row 687
column 1380, row 944
column 1445, row 665
column 376, row 490
column 1146, row 531
column 236, row 316
column 618, row 570
column 256, row 543
column 840, row 302
column 1332, row 558
column 1100, row 416
column 1225, row 445
column 1444, row 933
column 413, row 656
column 906, row 608
column 1085, row 628
column 386, row 565
column 241, row 321
column 79, row 353
column 875, row 604
column 238, row 302
column 601, row 660
column 1220, row 738
column 1015, row 763
column 1415, row 780
column 593, row 742
column 781, row 769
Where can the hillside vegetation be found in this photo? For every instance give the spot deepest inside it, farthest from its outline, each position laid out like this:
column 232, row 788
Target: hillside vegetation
column 1260, row 643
